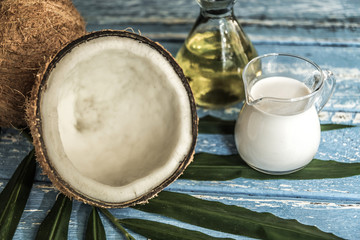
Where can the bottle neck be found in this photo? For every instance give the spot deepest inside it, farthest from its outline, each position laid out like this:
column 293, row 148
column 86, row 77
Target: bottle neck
column 216, row 13
column 216, row 8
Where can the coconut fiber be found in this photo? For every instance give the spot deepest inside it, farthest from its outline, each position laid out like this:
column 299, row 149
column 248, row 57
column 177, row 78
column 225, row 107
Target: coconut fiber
column 31, row 32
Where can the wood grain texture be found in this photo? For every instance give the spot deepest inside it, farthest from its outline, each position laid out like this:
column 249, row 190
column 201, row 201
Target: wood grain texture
column 327, row 33
column 276, row 20
column 333, row 12
column 329, row 215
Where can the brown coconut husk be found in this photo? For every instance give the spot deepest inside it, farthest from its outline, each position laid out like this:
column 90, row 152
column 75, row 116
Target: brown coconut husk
column 31, row 32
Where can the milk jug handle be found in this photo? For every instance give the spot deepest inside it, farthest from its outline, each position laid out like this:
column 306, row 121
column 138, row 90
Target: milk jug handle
column 326, row 91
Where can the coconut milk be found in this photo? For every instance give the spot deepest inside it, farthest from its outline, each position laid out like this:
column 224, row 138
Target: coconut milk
column 280, row 142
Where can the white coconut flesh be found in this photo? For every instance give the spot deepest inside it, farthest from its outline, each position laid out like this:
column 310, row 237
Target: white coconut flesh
column 116, row 119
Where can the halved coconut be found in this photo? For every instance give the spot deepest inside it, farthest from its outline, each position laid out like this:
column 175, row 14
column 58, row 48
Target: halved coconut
column 113, row 119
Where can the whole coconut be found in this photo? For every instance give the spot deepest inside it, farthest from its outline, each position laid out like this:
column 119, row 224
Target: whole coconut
column 31, row 32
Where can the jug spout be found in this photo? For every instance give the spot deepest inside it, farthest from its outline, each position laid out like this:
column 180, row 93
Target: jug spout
column 279, row 95
column 284, row 84
column 248, row 98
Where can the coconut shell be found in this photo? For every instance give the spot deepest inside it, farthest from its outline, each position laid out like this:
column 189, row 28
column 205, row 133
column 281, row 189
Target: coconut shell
column 33, row 113
column 31, row 32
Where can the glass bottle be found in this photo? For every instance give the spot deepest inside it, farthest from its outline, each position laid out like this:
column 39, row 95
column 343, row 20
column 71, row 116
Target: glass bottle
column 214, row 55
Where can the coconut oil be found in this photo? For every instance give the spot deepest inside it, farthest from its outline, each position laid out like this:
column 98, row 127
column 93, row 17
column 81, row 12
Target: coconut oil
column 214, row 55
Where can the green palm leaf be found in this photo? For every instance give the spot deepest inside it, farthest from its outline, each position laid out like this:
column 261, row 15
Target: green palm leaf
column 162, row 231
column 230, row 219
column 328, row 127
column 117, row 224
column 95, row 228
column 209, row 124
column 14, row 196
column 211, row 167
column 56, row 223
column 207, row 214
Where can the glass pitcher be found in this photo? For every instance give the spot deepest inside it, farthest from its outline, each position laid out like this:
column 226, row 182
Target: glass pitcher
column 214, row 55
column 278, row 129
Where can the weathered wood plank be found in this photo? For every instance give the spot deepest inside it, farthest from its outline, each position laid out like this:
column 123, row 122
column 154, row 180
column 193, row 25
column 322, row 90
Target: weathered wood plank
column 341, row 145
column 13, row 148
column 332, row 13
column 328, row 33
column 335, row 21
column 261, row 34
column 323, row 203
column 339, row 217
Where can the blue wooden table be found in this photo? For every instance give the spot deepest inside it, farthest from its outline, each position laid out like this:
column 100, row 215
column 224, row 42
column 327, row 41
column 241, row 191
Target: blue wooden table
column 326, row 32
